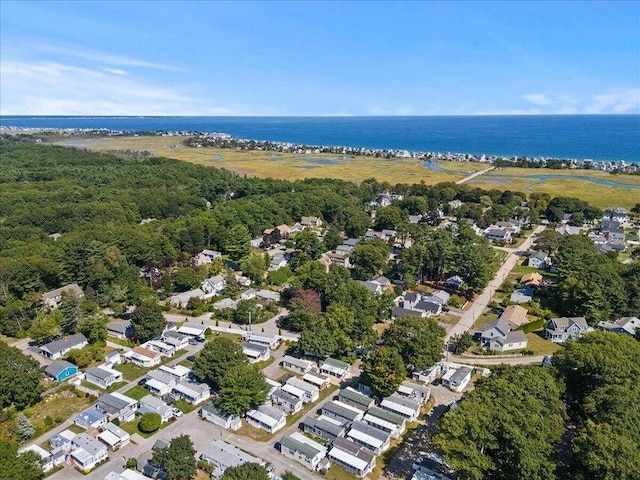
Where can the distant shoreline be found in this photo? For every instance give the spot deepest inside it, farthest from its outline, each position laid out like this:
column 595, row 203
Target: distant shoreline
column 198, row 139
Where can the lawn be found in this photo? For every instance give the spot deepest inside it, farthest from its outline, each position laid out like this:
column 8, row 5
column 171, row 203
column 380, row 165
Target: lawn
column 265, row 363
column 483, row 320
column 130, row 371
column 184, row 407
column 540, row 346
column 120, row 341
column 448, row 319
column 338, row 473
column 137, row 392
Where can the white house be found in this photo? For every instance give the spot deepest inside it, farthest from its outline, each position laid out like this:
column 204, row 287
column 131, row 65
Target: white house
column 256, row 352
column 127, row 474
column 386, row 421
column 296, row 364
column 323, row 427
column 404, row 407
column 539, row 260
column 413, row 391
column 103, row 376
column 193, row 330
column 151, row 404
column 116, row 405
column 624, row 325
column 60, row 347
column 374, row 440
column 177, row 340
column 223, row 455
column 50, row 460
column 356, row 399
column 87, row 452
column 114, row 437
column 310, row 393
column 286, row 401
column 159, row 382
column 267, row 417
column 341, row 411
column 62, row 440
column 91, row 418
column 264, row 339
column 335, row 368
column 497, row 336
column 317, row 379
column 457, row 378
column 213, row 414
column 213, row 286
column 352, row 457
column 164, row 349
column 559, row 330
column 192, row 392
column 302, row 449
column 143, row 357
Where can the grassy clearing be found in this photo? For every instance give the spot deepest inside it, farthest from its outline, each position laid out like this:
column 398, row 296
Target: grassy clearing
column 448, row 319
column 483, row 320
column 120, row 341
column 265, row 363
column 137, row 392
column 540, row 346
column 76, row 428
column 184, row 407
column 55, row 409
column 338, row 473
column 130, row 371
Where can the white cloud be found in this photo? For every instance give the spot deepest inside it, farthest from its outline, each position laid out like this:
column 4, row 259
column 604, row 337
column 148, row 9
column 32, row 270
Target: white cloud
column 537, row 99
column 619, row 101
column 54, row 88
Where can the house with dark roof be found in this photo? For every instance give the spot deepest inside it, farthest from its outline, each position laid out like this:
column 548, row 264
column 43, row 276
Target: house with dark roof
column 386, row 420
column 119, row 406
column 374, row 440
column 539, row 260
column 286, row 401
column 498, row 336
column 341, row 411
column 213, row 414
column 223, row 455
column 457, row 378
column 61, row 370
column 120, row 329
column 103, row 376
column 322, row 427
column 356, row 399
column 60, row 347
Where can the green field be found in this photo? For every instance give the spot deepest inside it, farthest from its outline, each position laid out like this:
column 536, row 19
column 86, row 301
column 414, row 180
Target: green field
column 353, row 168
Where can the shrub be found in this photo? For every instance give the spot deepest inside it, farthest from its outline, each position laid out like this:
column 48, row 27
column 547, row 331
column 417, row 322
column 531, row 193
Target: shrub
column 456, row 301
column 132, row 463
column 149, row 422
column 116, row 422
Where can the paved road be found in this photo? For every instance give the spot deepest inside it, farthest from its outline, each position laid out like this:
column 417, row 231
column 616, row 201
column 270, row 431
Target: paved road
column 471, row 315
column 474, row 175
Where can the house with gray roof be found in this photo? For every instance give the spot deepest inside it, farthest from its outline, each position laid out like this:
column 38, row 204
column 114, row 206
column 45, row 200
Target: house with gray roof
column 624, row 325
column 405, row 407
column 103, row 376
column 267, row 417
column 151, row 404
column 497, row 336
column 335, row 368
column 87, row 452
column 116, row 405
column 310, row 392
column 192, row 392
column 322, row 427
column 61, row 370
column 559, row 330
column 303, row 450
column 223, row 455
column 256, row 352
column 374, row 440
column 296, row 364
column 120, row 329
column 414, row 391
column 457, row 378
column 53, row 298
column 286, row 401
column 114, row 437
column 177, row 340
column 60, row 347
column 341, row 411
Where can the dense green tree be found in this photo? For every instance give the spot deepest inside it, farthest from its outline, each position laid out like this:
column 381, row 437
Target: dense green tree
column 331, row 240
column 71, row 313
column 187, row 278
column 383, row 371
column 242, row 388
column 317, row 339
column 307, row 241
column 249, row 310
column 462, row 342
column 45, row 327
column 508, row 427
column 177, row 460
column 20, row 378
column 417, row 339
column 238, row 242
column 216, row 358
column 369, row 258
column 149, row 422
column 391, row 218
column 94, row 327
column 25, row 466
column 254, row 267
column 246, row 471
column 548, row 240
column 147, row 321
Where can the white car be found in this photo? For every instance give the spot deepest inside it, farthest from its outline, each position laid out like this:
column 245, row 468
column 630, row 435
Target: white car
column 177, row 412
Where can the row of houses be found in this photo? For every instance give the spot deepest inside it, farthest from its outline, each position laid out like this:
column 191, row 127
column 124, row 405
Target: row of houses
column 353, row 429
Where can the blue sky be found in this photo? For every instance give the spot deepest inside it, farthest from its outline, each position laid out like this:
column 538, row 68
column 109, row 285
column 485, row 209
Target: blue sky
column 315, row 58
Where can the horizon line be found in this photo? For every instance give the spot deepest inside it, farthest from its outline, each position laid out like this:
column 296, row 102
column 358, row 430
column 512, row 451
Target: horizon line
column 329, row 116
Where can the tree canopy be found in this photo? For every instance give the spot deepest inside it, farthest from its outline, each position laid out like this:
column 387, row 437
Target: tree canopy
column 383, row 371
column 20, row 378
column 177, row 460
column 242, row 388
column 218, row 356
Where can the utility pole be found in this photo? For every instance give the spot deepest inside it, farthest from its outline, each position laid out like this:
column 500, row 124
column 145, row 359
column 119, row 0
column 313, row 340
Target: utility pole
column 249, row 320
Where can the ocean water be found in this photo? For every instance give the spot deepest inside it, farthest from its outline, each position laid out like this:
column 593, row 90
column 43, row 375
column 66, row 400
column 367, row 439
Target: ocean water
column 599, row 137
